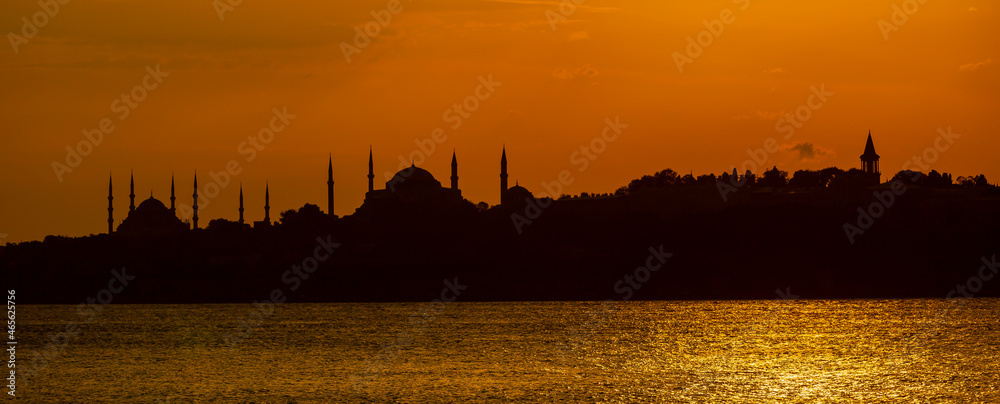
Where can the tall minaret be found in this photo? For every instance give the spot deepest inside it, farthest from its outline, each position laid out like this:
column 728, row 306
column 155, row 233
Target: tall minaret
column 241, row 203
column 503, row 171
column 371, row 171
column 454, row 170
column 173, row 210
column 267, row 203
column 111, row 219
column 329, row 187
column 869, row 160
column 131, row 195
column 194, row 219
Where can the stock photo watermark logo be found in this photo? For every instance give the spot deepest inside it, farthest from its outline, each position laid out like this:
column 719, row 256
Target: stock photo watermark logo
column 967, row 290
column 697, row 44
column 123, row 106
column 456, row 114
column 419, row 321
column 885, row 199
column 31, row 27
column 225, row 6
column 88, row 311
column 626, row 287
column 219, row 180
column 293, row 278
column 581, row 158
column 900, row 15
column 363, row 37
column 566, row 8
column 787, row 125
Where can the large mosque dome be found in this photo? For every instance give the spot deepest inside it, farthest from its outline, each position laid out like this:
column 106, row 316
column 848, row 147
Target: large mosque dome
column 412, row 176
column 151, row 217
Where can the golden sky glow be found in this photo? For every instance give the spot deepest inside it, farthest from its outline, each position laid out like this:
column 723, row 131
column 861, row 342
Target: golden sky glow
column 606, row 59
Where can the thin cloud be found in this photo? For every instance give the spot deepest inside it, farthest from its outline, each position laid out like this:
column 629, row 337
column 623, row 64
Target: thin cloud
column 584, row 71
column 761, row 115
column 973, row 66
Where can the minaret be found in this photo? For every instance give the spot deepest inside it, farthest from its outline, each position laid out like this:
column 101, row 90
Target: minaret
column 241, row 203
column 111, row 218
column 131, row 195
column 371, row 171
column 267, row 203
column 173, row 210
column 503, row 172
column 454, row 171
column 869, row 160
column 329, row 187
column 194, row 219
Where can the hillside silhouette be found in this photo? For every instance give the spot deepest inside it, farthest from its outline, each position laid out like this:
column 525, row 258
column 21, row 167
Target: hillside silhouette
column 729, row 236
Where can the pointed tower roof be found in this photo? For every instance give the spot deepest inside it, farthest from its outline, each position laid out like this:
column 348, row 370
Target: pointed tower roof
column 869, row 148
column 503, row 157
column 454, row 159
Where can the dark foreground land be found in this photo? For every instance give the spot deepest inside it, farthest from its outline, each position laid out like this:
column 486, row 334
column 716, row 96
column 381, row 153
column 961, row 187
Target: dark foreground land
column 925, row 244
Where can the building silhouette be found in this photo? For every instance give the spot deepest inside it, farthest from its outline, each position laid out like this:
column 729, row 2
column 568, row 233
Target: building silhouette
column 410, row 186
column 869, row 161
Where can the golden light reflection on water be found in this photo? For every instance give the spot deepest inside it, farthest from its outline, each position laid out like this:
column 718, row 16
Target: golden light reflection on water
column 732, row 351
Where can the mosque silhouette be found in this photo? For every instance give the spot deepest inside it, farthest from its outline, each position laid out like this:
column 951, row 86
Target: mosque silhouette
column 410, row 186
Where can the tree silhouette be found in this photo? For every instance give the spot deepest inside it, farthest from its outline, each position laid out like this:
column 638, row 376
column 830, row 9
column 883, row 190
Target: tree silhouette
column 774, row 178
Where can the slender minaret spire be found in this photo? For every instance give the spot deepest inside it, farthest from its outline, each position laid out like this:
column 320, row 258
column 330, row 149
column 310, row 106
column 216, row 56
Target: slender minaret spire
column 267, row 203
column 503, row 171
column 329, row 187
column 173, row 210
column 194, row 219
column 454, row 170
column 111, row 208
column 371, row 171
column 131, row 195
column 241, row 203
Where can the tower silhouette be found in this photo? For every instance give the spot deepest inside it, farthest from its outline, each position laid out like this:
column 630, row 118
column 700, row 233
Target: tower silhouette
column 241, row 203
column 371, row 171
column 503, row 171
column 454, row 170
column 111, row 219
column 194, row 219
column 267, row 203
column 869, row 160
column 329, row 187
column 173, row 210
column 131, row 195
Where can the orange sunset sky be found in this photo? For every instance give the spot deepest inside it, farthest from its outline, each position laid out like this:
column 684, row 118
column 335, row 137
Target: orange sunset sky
column 560, row 79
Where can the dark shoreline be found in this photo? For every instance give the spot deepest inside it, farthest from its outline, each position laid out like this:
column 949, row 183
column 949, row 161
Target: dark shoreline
column 923, row 246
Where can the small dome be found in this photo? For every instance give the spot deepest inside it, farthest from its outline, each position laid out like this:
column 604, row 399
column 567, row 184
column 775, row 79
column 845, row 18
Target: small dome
column 515, row 195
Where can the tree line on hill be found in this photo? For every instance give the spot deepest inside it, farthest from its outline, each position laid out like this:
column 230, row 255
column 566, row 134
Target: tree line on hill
column 829, row 178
